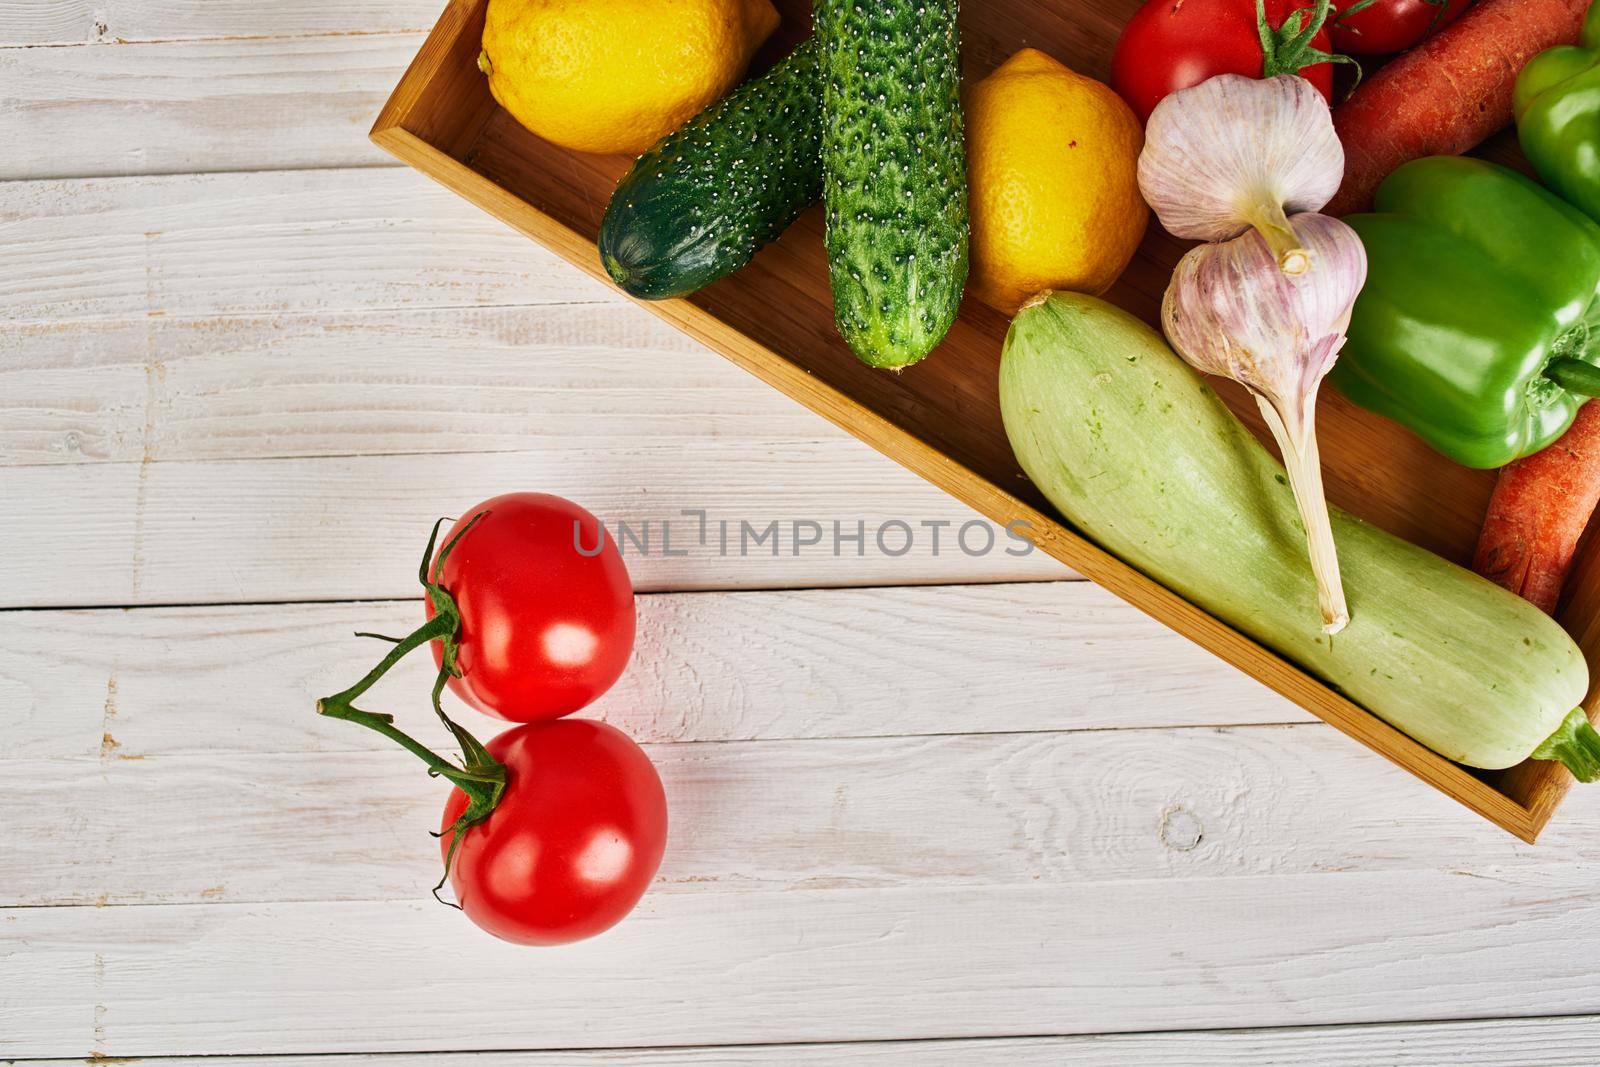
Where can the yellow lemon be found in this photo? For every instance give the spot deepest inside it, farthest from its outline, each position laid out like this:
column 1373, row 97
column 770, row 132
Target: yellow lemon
column 1052, row 161
column 617, row 75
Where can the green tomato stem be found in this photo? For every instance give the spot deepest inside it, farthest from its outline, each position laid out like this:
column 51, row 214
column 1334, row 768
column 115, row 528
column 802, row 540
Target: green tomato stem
column 1289, row 49
column 479, row 775
column 439, row 626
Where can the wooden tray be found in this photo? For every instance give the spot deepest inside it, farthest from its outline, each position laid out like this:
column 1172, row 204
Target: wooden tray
column 941, row 417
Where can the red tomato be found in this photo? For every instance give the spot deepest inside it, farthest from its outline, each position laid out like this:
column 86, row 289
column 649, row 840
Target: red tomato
column 545, row 629
column 1175, row 44
column 575, row 841
column 1387, row 26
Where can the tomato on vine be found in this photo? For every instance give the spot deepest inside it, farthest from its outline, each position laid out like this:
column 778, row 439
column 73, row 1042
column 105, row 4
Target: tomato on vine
column 572, row 845
column 1176, row 44
column 1384, row 27
column 544, row 603
column 555, row 828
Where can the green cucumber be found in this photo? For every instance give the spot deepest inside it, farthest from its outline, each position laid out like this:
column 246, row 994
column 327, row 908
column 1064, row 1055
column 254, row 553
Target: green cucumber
column 1143, row 457
column 894, row 173
column 699, row 204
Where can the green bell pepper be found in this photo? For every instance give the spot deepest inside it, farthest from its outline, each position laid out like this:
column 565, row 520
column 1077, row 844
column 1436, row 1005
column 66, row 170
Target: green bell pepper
column 1557, row 105
column 1478, row 327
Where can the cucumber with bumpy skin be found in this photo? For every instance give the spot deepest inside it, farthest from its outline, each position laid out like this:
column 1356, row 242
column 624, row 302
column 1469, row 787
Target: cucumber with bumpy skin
column 703, row 201
column 894, row 173
column 1140, row 454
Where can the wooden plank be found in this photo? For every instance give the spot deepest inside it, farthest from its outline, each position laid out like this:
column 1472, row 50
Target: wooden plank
column 119, row 725
column 170, row 108
column 117, row 537
column 826, row 965
column 1173, row 806
column 158, row 682
column 28, row 22
column 220, row 244
column 456, row 380
column 1562, row 1041
column 342, row 528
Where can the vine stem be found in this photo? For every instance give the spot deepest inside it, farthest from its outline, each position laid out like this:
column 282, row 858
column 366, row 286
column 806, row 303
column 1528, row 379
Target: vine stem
column 437, row 627
column 384, row 724
column 479, row 775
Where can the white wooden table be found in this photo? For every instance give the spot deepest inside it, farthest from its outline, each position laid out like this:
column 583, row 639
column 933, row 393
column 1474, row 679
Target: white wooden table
column 926, row 809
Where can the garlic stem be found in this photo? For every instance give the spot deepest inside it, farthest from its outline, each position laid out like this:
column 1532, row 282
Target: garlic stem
column 1269, row 220
column 1297, row 441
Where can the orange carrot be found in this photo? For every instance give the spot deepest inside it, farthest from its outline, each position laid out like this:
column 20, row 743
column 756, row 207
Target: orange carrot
column 1445, row 95
column 1538, row 511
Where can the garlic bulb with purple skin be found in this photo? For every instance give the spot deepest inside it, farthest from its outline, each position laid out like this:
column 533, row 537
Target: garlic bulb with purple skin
column 1234, row 153
column 1230, row 310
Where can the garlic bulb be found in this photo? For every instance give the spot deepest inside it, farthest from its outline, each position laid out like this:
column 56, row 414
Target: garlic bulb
column 1234, row 153
column 1230, row 310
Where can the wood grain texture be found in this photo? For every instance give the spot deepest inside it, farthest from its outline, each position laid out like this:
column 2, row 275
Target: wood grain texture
column 798, row 754
column 1547, row 1042
column 588, row 376
column 338, row 528
column 941, row 418
column 899, row 813
column 239, row 244
column 706, row 667
column 1172, row 806
column 823, row 965
column 109, row 22
column 174, row 107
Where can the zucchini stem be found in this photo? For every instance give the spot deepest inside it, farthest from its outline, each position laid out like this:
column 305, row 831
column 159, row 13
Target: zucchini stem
column 1298, row 444
column 1576, row 744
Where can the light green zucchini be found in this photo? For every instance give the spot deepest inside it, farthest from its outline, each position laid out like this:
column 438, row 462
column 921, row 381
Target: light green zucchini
column 1141, row 455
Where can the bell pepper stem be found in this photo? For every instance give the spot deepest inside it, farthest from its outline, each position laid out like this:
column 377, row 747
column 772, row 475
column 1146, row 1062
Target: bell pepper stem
column 1297, row 441
column 1574, row 375
column 1575, row 744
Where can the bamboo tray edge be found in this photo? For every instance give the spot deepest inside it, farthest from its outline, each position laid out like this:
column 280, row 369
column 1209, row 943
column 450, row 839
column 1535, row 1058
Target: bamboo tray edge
column 424, row 124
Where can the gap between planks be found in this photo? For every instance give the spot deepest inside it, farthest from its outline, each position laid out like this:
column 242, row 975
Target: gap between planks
column 1536, row 1041
column 732, row 590
column 707, row 666
column 290, row 529
column 780, row 710
column 826, row 965
column 419, row 32
column 773, row 817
